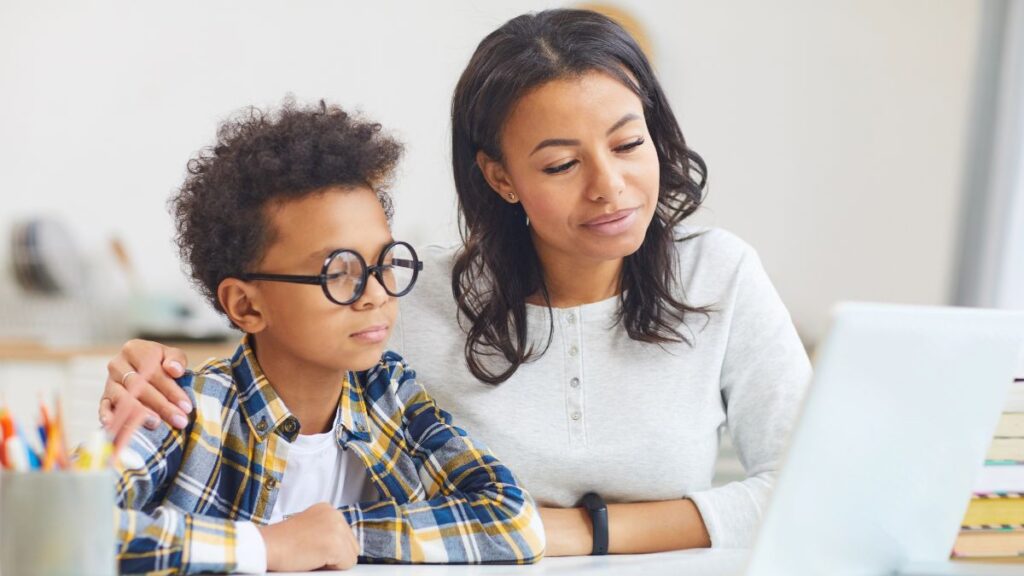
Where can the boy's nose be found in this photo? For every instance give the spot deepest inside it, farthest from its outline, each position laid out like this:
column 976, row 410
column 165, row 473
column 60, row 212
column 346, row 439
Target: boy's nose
column 374, row 295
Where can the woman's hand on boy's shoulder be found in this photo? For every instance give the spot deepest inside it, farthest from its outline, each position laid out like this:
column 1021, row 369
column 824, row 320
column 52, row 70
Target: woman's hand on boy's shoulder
column 141, row 390
column 318, row 537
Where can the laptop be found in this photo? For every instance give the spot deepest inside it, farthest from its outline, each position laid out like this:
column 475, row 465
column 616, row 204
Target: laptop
column 893, row 431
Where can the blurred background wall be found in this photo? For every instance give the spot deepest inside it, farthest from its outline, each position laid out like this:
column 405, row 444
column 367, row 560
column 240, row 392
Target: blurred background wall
column 837, row 133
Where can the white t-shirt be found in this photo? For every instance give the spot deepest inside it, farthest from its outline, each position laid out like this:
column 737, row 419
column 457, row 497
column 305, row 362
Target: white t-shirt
column 633, row 421
column 317, row 470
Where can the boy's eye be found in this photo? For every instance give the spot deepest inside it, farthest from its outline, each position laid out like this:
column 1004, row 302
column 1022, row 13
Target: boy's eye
column 344, row 267
column 630, row 145
column 342, row 277
column 560, row 168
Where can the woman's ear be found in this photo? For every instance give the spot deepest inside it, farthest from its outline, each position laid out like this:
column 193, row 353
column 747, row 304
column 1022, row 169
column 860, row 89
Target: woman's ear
column 243, row 304
column 496, row 176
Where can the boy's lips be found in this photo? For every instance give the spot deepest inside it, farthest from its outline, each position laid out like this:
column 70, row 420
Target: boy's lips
column 372, row 334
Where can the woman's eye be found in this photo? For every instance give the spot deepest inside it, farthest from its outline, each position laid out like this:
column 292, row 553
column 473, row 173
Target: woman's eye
column 560, row 168
column 630, row 145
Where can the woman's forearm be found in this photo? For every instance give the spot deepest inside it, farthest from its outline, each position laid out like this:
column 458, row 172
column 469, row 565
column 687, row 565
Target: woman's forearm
column 632, row 528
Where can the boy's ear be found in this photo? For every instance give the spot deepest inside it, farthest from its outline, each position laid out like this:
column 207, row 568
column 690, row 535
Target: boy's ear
column 496, row 176
column 243, row 304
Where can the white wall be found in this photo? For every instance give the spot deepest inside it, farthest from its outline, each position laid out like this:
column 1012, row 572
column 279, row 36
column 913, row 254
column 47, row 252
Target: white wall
column 833, row 130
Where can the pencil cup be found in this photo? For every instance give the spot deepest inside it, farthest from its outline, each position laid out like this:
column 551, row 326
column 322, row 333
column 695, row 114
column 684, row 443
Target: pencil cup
column 57, row 523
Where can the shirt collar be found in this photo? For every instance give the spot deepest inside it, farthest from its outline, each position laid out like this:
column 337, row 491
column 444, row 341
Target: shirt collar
column 265, row 412
column 353, row 423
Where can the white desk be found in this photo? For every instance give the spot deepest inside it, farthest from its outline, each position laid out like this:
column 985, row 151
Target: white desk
column 685, row 562
column 682, row 563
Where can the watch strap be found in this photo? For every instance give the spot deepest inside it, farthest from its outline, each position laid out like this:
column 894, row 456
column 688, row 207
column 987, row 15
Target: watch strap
column 598, row 512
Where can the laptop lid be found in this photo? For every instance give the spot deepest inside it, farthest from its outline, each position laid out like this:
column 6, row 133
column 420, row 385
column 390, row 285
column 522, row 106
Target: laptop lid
column 893, row 430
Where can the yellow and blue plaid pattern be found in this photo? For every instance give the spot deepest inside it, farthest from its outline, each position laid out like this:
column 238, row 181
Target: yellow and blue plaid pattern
column 443, row 497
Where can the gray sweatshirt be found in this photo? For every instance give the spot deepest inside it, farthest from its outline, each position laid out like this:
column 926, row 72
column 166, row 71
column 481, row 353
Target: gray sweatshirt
column 633, row 421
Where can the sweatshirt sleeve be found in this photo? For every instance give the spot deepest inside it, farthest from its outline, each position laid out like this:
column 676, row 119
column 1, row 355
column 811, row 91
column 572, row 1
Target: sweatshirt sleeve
column 765, row 372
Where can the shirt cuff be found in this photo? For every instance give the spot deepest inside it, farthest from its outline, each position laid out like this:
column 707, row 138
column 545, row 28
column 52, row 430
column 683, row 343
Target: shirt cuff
column 250, row 550
column 731, row 514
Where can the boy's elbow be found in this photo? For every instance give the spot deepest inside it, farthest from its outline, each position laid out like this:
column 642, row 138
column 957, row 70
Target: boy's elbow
column 534, row 536
column 524, row 539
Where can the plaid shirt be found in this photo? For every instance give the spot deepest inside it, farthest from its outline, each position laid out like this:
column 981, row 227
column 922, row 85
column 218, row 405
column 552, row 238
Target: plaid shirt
column 444, row 498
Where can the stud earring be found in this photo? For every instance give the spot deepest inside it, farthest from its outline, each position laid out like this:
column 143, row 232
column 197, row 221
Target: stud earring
column 511, row 196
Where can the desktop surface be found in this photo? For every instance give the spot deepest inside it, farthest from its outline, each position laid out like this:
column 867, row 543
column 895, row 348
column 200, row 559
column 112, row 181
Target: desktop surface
column 702, row 562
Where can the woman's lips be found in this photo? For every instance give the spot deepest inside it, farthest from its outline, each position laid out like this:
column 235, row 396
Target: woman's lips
column 612, row 224
column 372, row 335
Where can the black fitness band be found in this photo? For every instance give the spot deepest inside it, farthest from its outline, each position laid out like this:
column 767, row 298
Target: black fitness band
column 598, row 511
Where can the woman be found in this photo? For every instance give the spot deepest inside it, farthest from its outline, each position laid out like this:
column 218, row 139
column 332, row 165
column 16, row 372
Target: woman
column 590, row 338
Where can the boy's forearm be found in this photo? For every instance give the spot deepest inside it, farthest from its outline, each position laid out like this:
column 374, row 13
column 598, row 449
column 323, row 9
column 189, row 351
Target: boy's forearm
column 497, row 520
column 488, row 531
column 166, row 537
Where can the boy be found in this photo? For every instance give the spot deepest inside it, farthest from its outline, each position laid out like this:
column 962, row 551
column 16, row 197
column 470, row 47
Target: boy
column 311, row 446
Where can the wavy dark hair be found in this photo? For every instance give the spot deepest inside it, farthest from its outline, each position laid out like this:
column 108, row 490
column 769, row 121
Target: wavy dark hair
column 263, row 156
column 497, row 268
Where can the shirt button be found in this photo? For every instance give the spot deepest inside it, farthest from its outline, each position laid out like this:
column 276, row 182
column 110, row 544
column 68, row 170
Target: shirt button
column 571, row 318
column 289, row 426
column 360, row 427
column 271, row 484
column 573, row 351
column 575, row 382
column 576, row 416
column 262, row 426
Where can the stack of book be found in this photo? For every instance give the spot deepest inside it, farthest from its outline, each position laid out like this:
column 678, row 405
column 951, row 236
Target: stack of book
column 994, row 524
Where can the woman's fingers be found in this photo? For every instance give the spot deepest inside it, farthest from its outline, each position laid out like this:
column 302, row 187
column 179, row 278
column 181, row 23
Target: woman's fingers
column 106, row 406
column 170, row 392
column 142, row 367
column 153, row 399
column 140, row 390
column 113, row 394
column 159, row 365
column 127, row 416
column 174, row 362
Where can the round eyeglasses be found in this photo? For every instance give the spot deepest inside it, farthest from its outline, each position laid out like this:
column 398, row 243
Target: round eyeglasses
column 344, row 273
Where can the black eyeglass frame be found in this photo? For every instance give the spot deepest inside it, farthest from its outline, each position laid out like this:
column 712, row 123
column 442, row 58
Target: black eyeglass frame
column 378, row 272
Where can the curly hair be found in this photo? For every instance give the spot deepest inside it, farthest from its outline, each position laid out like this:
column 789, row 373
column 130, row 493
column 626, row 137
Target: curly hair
column 263, row 156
